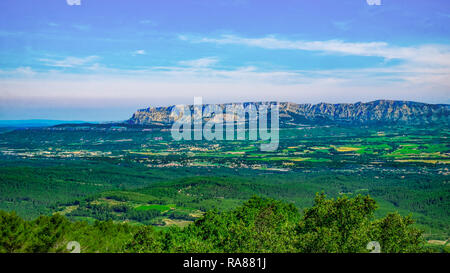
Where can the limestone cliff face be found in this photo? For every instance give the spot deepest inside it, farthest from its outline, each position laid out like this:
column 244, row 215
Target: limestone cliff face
column 380, row 111
column 152, row 115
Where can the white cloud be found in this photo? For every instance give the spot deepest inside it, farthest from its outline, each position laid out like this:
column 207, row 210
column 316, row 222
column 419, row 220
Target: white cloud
column 20, row 72
column 139, row 52
column 69, row 61
column 202, row 62
column 146, row 91
column 425, row 55
column 424, row 75
column 27, row 71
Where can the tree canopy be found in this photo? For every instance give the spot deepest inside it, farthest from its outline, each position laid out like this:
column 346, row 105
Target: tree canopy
column 260, row 225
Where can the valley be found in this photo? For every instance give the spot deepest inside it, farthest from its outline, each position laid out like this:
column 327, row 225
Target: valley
column 140, row 176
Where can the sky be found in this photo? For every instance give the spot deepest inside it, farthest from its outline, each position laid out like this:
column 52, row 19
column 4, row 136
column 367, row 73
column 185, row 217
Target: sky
column 101, row 60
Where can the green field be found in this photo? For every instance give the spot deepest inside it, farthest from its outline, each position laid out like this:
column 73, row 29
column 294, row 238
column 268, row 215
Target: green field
column 161, row 208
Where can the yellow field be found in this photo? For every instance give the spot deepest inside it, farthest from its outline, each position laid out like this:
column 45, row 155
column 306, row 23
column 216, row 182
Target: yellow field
column 318, row 148
column 431, row 161
column 67, row 209
column 347, row 149
column 180, row 223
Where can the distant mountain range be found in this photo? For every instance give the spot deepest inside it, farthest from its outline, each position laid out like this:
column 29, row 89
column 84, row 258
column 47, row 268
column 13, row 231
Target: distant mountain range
column 291, row 114
column 35, row 123
column 379, row 112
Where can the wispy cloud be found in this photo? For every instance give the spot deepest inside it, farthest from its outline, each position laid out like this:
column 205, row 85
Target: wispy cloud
column 424, row 54
column 69, row 61
column 423, row 67
column 139, row 52
column 27, row 71
column 81, row 27
column 423, row 74
column 19, row 72
column 202, row 62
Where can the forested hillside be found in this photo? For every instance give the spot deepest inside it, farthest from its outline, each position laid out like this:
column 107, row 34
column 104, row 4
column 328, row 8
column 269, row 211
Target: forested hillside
column 143, row 177
column 259, row 225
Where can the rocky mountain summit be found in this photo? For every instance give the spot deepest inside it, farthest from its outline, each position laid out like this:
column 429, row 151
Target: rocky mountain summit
column 374, row 112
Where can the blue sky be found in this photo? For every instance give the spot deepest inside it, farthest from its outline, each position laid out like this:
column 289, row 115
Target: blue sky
column 103, row 59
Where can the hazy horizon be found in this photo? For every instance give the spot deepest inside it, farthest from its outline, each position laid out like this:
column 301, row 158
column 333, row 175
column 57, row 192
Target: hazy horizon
column 103, row 60
column 136, row 109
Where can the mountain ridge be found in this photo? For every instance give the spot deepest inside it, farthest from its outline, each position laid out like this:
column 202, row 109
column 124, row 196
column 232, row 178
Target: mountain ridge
column 378, row 111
